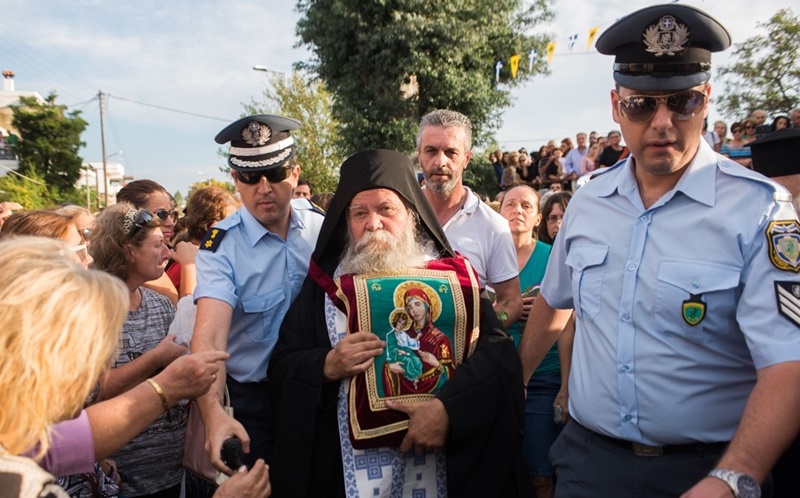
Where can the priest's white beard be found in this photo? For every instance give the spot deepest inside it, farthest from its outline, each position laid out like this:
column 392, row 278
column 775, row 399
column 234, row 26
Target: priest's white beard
column 381, row 252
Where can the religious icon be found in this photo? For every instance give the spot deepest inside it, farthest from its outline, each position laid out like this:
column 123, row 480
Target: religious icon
column 432, row 316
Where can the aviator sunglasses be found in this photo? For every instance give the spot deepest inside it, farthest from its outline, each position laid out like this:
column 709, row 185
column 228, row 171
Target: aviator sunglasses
column 273, row 175
column 682, row 105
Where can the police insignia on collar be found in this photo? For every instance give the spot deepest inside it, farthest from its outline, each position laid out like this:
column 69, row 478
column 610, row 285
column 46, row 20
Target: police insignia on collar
column 788, row 295
column 694, row 310
column 212, row 239
column 666, row 37
column 256, row 134
column 784, row 244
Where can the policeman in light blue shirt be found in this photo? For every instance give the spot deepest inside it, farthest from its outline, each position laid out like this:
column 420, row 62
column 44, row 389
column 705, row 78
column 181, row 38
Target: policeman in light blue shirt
column 682, row 268
column 249, row 269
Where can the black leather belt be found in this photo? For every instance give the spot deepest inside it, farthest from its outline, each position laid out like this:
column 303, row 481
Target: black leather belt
column 645, row 450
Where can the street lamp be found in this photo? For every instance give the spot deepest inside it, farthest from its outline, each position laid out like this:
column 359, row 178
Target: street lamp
column 266, row 70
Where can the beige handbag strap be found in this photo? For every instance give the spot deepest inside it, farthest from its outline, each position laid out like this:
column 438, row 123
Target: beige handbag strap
column 226, row 402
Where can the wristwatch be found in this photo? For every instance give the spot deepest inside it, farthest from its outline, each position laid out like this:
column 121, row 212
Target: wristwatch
column 742, row 485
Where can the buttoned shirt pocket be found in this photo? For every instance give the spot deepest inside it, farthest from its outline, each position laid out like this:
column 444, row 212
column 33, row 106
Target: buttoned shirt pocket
column 588, row 270
column 260, row 313
column 696, row 299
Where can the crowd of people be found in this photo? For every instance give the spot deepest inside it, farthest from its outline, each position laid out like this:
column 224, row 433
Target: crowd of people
column 372, row 341
column 556, row 166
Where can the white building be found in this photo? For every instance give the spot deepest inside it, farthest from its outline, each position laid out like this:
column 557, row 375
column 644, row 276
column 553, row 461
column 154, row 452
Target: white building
column 92, row 176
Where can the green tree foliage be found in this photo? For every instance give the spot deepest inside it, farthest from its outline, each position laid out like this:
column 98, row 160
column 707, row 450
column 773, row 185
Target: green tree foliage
column 766, row 73
column 29, row 191
column 49, row 143
column 179, row 200
column 229, row 186
column 309, row 102
column 389, row 62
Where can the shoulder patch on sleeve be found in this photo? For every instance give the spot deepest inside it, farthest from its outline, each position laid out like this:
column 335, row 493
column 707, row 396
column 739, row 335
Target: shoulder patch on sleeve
column 212, row 239
column 788, row 295
column 783, row 239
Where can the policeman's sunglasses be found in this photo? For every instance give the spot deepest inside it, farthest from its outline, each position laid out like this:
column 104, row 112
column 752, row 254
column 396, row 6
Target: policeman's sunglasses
column 163, row 214
column 681, row 105
column 273, row 175
column 143, row 217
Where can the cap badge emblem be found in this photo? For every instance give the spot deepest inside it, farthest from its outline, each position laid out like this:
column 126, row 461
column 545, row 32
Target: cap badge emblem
column 667, row 37
column 256, row 134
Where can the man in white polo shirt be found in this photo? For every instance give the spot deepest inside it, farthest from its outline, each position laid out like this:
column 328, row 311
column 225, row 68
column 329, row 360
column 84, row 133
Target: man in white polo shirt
column 444, row 144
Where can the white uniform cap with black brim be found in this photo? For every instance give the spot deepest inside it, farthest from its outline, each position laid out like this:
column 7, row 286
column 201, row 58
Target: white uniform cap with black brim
column 259, row 142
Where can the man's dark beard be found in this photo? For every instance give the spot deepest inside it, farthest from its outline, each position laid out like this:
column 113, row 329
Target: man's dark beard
column 381, row 252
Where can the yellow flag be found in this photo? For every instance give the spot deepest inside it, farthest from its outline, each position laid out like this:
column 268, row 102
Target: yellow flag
column 592, row 36
column 514, row 65
column 551, row 48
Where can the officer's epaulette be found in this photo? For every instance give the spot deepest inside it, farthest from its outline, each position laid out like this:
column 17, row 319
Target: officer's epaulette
column 212, row 239
column 317, row 209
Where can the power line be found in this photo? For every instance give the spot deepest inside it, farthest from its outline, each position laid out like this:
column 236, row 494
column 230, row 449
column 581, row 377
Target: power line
column 20, row 174
column 28, row 59
column 178, row 111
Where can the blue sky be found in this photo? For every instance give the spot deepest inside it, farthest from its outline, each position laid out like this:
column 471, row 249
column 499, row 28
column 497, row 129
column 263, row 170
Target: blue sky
column 198, row 56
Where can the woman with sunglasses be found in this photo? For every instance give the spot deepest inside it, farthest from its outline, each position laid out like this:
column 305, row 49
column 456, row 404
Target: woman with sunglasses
column 81, row 217
column 737, row 148
column 46, row 223
column 129, row 244
column 149, row 195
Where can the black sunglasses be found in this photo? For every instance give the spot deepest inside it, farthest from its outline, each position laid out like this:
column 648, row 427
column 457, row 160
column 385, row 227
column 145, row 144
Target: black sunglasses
column 143, row 217
column 273, row 175
column 682, row 105
column 737, row 130
column 163, row 214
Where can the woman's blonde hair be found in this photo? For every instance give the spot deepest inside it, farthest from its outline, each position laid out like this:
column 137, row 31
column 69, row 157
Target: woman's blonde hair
column 59, row 326
column 39, row 222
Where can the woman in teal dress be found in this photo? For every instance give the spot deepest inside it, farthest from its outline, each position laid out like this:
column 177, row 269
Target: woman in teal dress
column 545, row 389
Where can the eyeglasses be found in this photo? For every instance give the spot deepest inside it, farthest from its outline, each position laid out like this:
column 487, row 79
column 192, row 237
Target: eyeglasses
column 682, row 105
column 163, row 214
column 85, row 233
column 737, row 130
column 143, row 217
column 554, row 218
column 749, row 127
column 81, row 251
column 273, row 175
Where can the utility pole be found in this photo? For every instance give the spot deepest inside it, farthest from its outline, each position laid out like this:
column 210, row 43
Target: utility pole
column 88, row 189
column 103, row 144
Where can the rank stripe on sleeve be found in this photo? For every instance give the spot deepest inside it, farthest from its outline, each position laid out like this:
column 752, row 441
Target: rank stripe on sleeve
column 788, row 294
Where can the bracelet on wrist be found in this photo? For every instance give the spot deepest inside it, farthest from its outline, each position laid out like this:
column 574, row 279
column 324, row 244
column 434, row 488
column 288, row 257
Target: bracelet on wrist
column 160, row 392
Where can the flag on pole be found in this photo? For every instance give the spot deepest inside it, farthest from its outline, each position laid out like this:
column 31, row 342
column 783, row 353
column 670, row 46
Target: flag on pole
column 514, row 60
column 572, row 40
column 497, row 68
column 551, row 48
column 531, row 59
column 592, row 35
